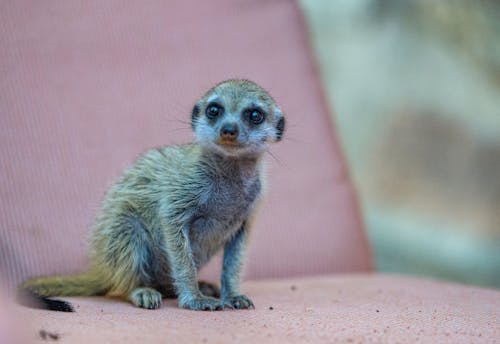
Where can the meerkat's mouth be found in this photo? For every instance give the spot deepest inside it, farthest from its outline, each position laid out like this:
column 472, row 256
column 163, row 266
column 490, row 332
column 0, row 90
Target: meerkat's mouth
column 229, row 143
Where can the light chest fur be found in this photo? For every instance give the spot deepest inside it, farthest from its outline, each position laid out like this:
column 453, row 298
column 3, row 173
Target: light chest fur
column 228, row 198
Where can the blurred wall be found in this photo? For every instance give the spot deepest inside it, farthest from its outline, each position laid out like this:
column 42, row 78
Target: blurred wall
column 416, row 90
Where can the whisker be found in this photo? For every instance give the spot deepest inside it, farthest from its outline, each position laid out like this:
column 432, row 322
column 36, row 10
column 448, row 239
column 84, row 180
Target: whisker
column 180, row 108
column 180, row 129
column 291, row 139
column 293, row 125
column 183, row 121
column 279, row 161
column 176, row 119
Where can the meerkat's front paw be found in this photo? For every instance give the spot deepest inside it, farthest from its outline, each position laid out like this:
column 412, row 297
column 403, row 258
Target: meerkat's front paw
column 239, row 302
column 146, row 298
column 202, row 303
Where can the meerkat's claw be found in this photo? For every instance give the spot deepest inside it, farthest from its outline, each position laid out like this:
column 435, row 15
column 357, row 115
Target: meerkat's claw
column 228, row 305
column 203, row 304
column 146, row 298
column 240, row 302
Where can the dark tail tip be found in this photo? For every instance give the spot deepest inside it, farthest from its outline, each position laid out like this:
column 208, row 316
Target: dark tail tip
column 57, row 305
column 31, row 299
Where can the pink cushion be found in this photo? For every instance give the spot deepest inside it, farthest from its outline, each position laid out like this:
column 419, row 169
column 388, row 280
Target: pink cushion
column 88, row 86
column 344, row 309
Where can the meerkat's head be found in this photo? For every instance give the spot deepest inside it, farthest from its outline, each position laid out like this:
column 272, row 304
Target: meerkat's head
column 237, row 118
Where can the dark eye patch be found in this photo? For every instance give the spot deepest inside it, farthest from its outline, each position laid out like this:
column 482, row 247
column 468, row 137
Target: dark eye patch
column 280, row 128
column 214, row 110
column 194, row 115
column 254, row 116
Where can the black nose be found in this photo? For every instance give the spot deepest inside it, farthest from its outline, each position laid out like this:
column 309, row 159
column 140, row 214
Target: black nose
column 229, row 131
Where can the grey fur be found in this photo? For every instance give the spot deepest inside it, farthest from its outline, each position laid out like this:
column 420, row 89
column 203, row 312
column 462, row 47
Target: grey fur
column 177, row 206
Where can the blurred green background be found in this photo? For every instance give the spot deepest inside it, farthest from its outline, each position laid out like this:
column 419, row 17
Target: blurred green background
column 415, row 88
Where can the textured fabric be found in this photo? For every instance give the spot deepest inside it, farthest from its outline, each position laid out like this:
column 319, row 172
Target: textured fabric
column 87, row 86
column 9, row 322
column 342, row 309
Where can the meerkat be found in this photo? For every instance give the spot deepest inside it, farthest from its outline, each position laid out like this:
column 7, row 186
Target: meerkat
column 176, row 206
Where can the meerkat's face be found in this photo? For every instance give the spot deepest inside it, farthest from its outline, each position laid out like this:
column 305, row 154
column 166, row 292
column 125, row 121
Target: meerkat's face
column 237, row 117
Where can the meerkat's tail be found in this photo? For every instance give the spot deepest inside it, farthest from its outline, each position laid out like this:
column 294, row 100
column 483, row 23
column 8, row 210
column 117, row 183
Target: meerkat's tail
column 35, row 292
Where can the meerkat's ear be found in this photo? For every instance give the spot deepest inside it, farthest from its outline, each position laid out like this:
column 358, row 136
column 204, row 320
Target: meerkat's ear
column 195, row 114
column 280, row 123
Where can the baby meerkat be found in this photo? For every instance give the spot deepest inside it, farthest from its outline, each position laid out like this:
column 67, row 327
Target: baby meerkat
column 171, row 211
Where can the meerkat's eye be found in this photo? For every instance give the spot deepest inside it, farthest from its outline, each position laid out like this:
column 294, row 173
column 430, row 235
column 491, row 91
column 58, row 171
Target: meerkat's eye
column 255, row 116
column 214, row 110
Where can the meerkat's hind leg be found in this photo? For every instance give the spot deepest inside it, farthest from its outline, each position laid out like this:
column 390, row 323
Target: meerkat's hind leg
column 209, row 289
column 131, row 257
column 146, row 298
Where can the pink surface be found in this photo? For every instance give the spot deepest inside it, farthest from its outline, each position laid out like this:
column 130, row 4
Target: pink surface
column 11, row 330
column 87, row 86
column 341, row 309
